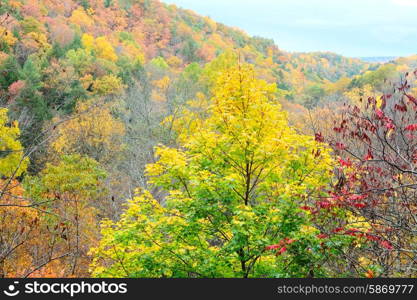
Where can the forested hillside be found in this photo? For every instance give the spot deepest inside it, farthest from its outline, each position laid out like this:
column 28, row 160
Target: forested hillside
column 239, row 159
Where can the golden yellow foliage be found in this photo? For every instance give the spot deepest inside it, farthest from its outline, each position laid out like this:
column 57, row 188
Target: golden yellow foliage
column 88, row 41
column 7, row 37
column 93, row 132
column 81, row 18
column 12, row 161
column 41, row 40
column 100, row 46
column 359, row 96
column 237, row 158
column 108, row 85
column 163, row 83
column 105, row 49
column 174, row 62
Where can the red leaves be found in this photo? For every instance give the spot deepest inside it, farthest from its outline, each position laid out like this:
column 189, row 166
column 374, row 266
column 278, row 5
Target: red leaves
column 357, row 197
column 401, row 108
column 282, row 250
column 412, row 99
column 359, row 205
column 383, row 243
column 387, row 245
column 411, row 127
column 273, row 247
column 369, row 155
column 385, row 134
column 306, row 208
column 345, row 163
column 352, row 232
column 372, row 238
column 380, row 114
column 357, row 200
column 338, row 229
column 310, row 209
column 319, row 137
column 324, row 204
column 404, row 86
column 366, row 138
column 369, row 274
column 281, row 246
column 340, row 146
column 390, row 125
column 387, row 122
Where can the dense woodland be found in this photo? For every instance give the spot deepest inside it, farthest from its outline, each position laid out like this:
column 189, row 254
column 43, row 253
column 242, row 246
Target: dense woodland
column 138, row 139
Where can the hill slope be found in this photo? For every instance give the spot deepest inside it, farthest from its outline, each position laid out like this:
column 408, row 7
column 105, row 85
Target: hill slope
column 126, row 32
column 57, row 57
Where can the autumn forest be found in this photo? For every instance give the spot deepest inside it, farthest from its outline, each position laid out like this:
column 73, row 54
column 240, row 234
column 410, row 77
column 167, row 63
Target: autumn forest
column 139, row 139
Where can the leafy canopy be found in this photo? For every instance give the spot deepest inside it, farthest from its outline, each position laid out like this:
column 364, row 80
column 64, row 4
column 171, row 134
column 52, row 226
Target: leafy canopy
column 233, row 189
column 12, row 160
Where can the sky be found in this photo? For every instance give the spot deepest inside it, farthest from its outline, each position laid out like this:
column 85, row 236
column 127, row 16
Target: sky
column 355, row 28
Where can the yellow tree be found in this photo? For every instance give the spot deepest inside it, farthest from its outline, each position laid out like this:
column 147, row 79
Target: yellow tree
column 92, row 131
column 12, row 160
column 101, row 47
column 234, row 192
column 17, row 219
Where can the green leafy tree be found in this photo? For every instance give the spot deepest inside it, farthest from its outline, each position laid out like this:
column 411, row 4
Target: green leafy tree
column 68, row 194
column 233, row 195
